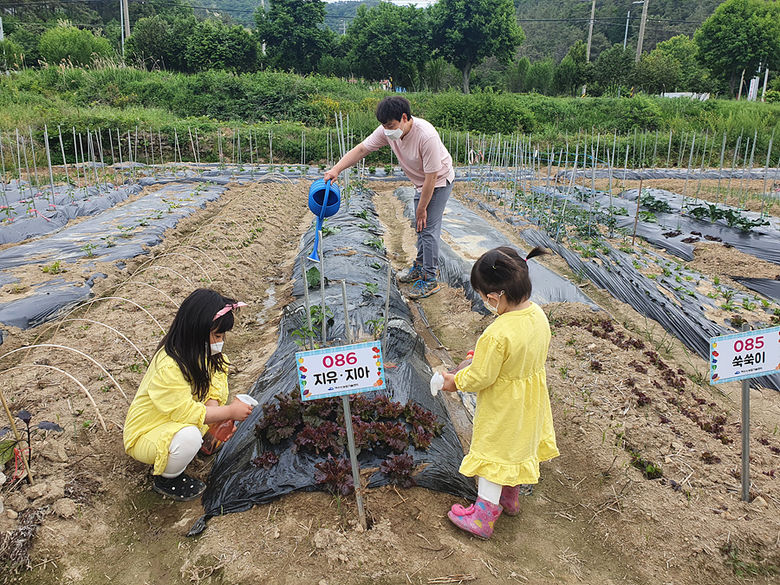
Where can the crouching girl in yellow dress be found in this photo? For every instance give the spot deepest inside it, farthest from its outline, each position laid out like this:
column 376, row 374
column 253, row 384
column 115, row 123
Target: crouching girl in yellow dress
column 184, row 390
column 513, row 428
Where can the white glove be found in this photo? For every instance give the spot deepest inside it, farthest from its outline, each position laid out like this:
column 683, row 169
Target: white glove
column 437, row 383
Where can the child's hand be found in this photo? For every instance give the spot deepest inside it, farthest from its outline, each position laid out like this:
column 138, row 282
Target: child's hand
column 449, row 383
column 239, row 410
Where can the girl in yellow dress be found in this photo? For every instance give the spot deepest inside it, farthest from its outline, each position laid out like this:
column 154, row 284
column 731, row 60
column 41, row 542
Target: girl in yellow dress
column 513, row 428
column 184, row 390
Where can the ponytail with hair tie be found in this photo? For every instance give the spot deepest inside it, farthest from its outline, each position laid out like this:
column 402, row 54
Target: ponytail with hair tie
column 504, row 269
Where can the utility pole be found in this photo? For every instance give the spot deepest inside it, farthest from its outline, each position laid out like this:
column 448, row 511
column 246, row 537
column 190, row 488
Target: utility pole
column 122, row 24
column 127, row 19
column 590, row 30
column 641, row 31
column 2, row 36
column 625, row 35
column 590, row 37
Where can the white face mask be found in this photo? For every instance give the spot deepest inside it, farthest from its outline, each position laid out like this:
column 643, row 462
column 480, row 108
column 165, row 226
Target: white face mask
column 393, row 134
column 490, row 307
column 216, row 348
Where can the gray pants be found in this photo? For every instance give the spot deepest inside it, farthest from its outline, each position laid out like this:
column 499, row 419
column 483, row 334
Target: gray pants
column 428, row 239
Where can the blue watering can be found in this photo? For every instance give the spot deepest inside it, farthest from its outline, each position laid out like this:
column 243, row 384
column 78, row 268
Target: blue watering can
column 324, row 201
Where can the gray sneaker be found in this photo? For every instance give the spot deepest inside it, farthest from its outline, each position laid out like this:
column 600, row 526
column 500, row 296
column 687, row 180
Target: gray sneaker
column 413, row 274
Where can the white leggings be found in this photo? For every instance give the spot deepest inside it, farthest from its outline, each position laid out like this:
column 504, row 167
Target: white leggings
column 184, row 447
column 487, row 490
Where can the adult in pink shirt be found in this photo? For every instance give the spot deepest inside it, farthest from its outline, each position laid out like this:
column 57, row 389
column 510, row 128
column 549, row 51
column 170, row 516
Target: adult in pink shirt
column 428, row 165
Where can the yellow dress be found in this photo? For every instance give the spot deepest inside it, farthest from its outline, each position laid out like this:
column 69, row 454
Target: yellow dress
column 513, row 428
column 163, row 405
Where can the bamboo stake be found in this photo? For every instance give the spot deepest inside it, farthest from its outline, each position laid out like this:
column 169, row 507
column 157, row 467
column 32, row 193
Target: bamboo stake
column 176, row 145
column 76, row 165
column 734, row 160
column 2, row 177
column 688, row 170
column 34, row 159
column 111, row 146
column 387, row 302
column 701, row 169
column 764, row 194
column 16, row 435
column 48, row 161
column 309, row 331
column 29, row 182
column 636, row 215
column 322, row 292
column 749, row 166
column 99, row 144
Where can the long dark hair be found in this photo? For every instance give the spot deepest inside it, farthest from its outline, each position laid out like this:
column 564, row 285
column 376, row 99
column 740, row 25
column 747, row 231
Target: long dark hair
column 503, row 269
column 187, row 340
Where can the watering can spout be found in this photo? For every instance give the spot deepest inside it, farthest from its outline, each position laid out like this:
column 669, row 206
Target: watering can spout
column 314, row 256
column 324, row 201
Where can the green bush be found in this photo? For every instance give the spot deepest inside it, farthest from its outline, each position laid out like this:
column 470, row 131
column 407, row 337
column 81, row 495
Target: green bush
column 773, row 96
column 68, row 43
column 479, row 112
column 11, row 54
column 637, row 112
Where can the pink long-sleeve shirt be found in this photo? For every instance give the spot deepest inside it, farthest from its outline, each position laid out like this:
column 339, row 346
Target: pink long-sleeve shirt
column 420, row 152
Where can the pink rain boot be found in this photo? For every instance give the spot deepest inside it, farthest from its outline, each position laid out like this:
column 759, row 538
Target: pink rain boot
column 510, row 500
column 477, row 519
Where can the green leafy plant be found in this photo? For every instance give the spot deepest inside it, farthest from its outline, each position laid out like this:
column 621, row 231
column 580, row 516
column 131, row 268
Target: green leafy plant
column 89, row 249
column 313, row 277
column 328, row 230
column 53, row 268
column 316, row 315
column 125, row 231
column 376, row 243
column 300, row 335
column 655, row 205
column 377, row 326
column 371, row 288
column 135, row 368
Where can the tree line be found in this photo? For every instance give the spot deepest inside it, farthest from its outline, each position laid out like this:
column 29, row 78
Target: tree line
column 452, row 44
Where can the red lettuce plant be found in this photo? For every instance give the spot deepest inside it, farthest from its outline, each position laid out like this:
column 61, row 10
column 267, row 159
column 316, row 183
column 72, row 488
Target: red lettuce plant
column 325, row 438
column 281, row 419
column 335, row 475
column 399, row 468
column 267, row 460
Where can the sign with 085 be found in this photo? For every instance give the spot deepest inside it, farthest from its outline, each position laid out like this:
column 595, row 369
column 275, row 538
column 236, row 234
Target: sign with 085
column 744, row 355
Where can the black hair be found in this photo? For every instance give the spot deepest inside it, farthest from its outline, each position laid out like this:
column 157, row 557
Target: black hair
column 392, row 108
column 503, row 269
column 187, row 340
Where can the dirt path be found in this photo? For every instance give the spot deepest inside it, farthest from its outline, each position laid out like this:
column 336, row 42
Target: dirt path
column 594, row 517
